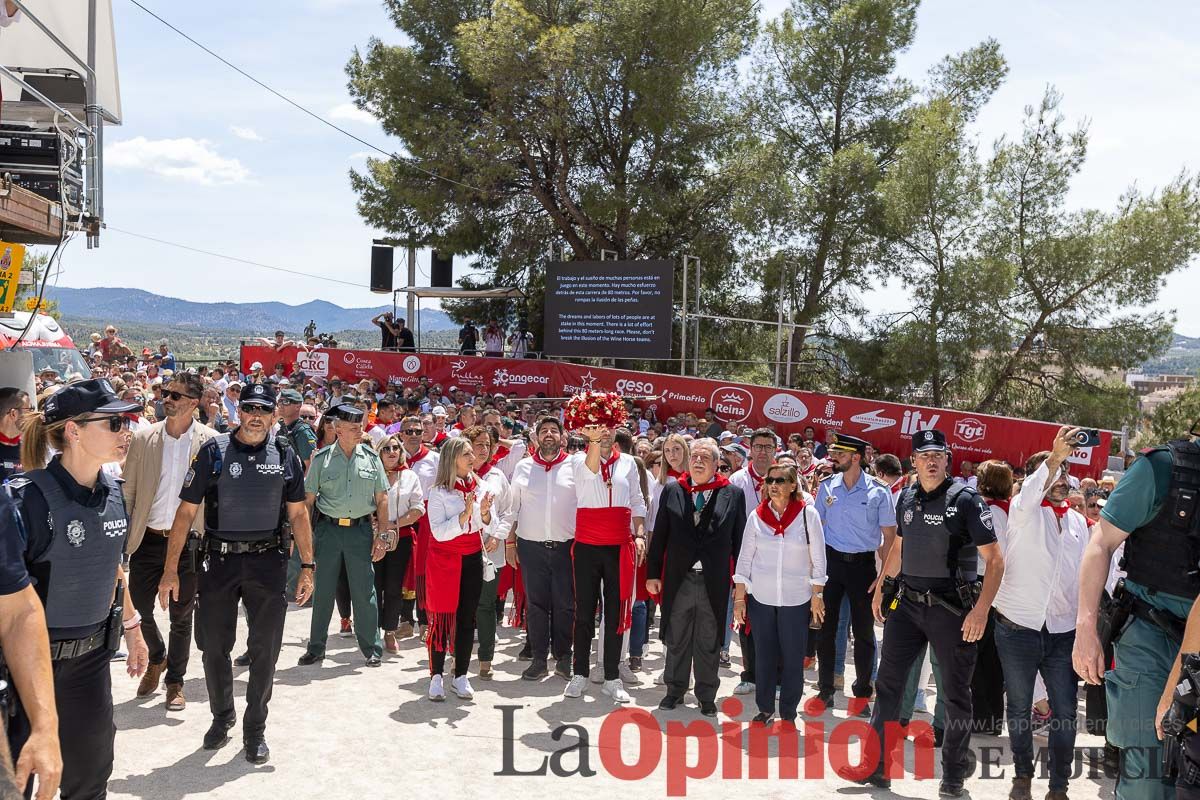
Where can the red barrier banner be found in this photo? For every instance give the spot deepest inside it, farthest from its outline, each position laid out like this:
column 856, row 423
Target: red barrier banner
column 888, row 426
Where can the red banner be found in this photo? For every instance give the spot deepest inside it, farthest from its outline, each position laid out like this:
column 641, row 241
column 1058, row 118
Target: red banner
column 888, row 426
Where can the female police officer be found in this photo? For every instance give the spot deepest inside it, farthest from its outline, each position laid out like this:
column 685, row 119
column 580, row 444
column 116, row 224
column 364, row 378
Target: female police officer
column 75, row 518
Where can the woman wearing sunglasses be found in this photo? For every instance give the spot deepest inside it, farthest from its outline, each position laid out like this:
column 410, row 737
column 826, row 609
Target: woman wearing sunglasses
column 406, row 505
column 783, row 558
column 74, row 558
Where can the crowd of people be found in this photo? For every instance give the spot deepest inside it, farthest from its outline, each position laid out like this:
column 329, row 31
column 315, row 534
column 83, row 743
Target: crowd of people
column 423, row 511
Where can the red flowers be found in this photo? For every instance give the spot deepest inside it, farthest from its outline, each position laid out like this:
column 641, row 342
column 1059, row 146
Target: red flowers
column 595, row 408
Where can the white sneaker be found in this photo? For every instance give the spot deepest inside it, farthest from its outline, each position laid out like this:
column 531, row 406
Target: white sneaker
column 462, row 688
column 627, row 674
column 597, row 673
column 576, row 686
column 745, row 687
column 616, row 691
column 437, row 692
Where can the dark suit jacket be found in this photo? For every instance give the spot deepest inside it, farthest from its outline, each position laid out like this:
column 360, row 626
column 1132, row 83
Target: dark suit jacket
column 678, row 543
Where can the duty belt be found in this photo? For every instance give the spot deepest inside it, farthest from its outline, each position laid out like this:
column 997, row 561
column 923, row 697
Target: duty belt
column 73, row 648
column 930, row 599
column 344, row 522
column 223, row 547
column 850, row 558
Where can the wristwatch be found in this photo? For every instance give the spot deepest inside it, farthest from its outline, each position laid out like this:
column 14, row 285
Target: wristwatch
column 307, row 565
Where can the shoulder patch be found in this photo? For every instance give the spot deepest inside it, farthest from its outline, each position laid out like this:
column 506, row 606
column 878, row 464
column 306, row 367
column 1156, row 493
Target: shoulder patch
column 17, row 483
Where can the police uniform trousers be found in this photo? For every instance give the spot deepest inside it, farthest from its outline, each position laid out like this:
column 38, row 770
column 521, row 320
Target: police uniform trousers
column 849, row 579
column 597, row 570
column 145, row 571
column 905, row 633
column 349, row 546
column 258, row 581
column 83, row 697
column 389, row 583
column 1143, row 658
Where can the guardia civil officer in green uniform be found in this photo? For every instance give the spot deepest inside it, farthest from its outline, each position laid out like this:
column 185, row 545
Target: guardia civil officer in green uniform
column 347, row 487
column 303, row 440
column 1153, row 510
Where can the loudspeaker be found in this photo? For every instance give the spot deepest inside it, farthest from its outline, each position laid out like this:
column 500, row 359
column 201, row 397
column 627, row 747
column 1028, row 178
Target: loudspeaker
column 382, row 258
column 441, row 269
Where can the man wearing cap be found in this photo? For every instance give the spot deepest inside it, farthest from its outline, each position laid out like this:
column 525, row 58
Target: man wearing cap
column 347, row 487
column 944, row 529
column 299, row 432
column 860, row 524
column 247, row 481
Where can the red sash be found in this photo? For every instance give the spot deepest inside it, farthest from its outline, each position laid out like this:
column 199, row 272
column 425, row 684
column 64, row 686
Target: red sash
column 443, row 571
column 610, row 526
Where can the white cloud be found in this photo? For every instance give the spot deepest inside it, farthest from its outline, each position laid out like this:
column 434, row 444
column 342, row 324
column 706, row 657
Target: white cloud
column 362, row 155
column 249, row 134
column 191, row 160
column 351, row 113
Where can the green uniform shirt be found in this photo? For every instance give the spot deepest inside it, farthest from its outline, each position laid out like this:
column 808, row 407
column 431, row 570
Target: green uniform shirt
column 345, row 487
column 1140, row 493
column 304, row 439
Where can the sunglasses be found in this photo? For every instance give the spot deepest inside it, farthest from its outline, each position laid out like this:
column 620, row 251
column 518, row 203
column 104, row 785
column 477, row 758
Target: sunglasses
column 724, row 468
column 116, row 423
column 775, row 481
column 411, row 432
column 1093, row 505
column 308, row 416
column 252, row 411
column 177, row 396
column 391, row 448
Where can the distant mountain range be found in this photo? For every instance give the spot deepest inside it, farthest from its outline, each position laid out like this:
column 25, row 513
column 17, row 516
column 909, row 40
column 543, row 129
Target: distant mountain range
column 142, row 307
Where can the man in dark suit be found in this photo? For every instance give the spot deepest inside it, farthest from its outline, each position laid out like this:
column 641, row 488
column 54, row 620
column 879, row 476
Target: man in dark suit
column 697, row 530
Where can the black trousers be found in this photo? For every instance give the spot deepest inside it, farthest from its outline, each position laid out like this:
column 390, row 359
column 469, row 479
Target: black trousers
column 746, row 642
column 83, row 697
column 987, row 683
column 907, row 630
column 597, row 569
column 847, row 579
column 258, row 580
column 145, row 571
column 389, row 583
column 470, row 587
column 693, row 641
column 549, row 597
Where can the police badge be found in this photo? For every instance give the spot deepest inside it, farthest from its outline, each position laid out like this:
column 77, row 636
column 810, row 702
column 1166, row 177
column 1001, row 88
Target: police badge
column 75, row 533
column 908, row 516
column 235, row 469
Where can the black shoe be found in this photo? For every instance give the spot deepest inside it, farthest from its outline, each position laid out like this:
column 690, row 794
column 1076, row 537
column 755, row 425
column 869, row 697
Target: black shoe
column 218, row 734
column 535, row 671
column 669, row 703
column 762, row 718
column 308, row 659
column 877, row 779
column 257, row 751
column 708, row 708
column 243, row 660
column 865, row 711
column 526, row 653
column 827, row 699
column 374, row 661
column 950, row 788
column 562, row 668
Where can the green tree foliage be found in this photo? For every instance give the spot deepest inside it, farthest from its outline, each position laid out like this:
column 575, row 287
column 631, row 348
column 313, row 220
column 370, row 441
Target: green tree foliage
column 1174, row 419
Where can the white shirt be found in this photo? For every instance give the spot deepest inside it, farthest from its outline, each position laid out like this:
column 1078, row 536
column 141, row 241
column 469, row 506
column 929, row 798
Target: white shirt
column 5, row 18
column 493, row 342
column 656, row 489
column 543, row 503
column 781, row 570
column 496, row 484
column 591, row 491
column 508, row 464
column 743, row 480
column 1041, row 561
column 176, row 458
column 405, row 495
column 446, row 504
column 425, row 469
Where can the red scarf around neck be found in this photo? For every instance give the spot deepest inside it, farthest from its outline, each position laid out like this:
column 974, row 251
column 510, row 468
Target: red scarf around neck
column 5, row 440
column 606, row 469
column 417, row 456
column 466, row 486
column 780, row 524
column 1000, row 504
column 485, row 469
column 1060, row 511
column 758, row 479
column 674, row 473
column 718, row 480
column 549, row 465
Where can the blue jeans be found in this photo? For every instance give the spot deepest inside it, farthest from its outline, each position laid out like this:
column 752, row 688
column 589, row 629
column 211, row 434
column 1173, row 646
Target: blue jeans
column 639, row 630
column 843, row 642
column 780, row 640
column 1024, row 653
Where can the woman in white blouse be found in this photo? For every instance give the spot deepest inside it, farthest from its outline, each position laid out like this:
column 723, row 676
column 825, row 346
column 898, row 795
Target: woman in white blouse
column 460, row 519
column 782, row 562
column 484, row 444
column 406, row 505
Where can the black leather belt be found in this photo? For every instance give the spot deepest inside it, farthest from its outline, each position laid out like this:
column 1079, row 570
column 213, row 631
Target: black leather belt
column 223, row 547
column 73, row 648
column 850, row 558
column 343, row 522
column 550, row 544
column 157, row 532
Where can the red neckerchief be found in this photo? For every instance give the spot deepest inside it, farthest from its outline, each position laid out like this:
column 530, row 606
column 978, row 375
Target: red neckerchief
column 466, row 487
column 1000, row 504
column 501, row 454
column 485, row 470
column 606, row 467
column 779, row 525
column 458, row 426
column 758, row 479
column 1091, row 522
column 439, row 438
column 549, row 465
column 400, row 468
column 898, row 487
column 676, row 474
column 417, row 456
column 13, row 442
column 718, row 480
column 1059, row 511
column 810, row 469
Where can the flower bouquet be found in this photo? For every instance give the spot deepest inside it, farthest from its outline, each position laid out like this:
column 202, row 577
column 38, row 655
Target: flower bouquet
column 595, row 408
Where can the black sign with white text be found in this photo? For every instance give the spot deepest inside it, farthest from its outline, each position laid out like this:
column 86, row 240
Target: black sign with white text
column 609, row 309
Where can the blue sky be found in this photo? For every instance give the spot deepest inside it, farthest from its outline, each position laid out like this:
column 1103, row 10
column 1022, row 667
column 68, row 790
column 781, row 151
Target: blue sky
column 208, row 159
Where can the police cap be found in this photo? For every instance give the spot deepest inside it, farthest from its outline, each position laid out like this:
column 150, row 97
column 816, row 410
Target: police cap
column 85, row 397
column 257, row 394
column 845, row 443
column 347, row 413
column 290, row 396
column 929, row 440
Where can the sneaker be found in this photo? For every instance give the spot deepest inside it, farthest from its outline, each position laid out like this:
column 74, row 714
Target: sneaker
column 745, row 687
column 562, row 668
column 762, row 718
column 576, row 686
column 949, row 788
column 485, row 670
column 635, row 663
column 535, row 671
column 597, row 674
column 725, row 659
column 404, row 631
column 616, row 691
column 462, row 687
column 627, row 674
column 437, row 692
column 347, row 627
column 389, row 642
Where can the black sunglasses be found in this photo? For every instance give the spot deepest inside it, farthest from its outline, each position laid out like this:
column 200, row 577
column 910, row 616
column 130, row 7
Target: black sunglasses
column 391, row 448
column 308, row 416
column 774, row 481
column 252, row 410
column 177, row 396
column 116, row 423
column 412, row 432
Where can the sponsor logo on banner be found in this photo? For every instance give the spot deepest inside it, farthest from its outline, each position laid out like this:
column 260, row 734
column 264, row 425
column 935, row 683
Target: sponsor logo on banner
column 463, row 378
column 970, row 429
column 828, row 421
column 695, row 399
column 731, row 403
column 349, row 357
column 1081, row 455
column 505, row 378
column 913, row 423
column 626, row 386
column 314, row 364
column 873, row 420
column 411, row 365
column 586, row 383
column 782, row 407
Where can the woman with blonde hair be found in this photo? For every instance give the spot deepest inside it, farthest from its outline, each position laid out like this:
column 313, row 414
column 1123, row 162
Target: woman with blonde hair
column 406, row 505
column 676, row 455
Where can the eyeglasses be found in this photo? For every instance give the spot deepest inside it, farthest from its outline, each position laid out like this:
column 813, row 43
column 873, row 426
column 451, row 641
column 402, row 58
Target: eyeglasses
column 411, row 432
column 177, row 396
column 116, row 423
column 391, row 448
column 763, row 448
column 775, row 481
column 260, row 411
column 309, row 417
column 1093, row 505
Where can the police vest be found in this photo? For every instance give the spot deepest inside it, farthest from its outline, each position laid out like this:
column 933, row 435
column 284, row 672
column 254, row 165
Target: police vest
column 1164, row 554
column 84, row 552
column 249, row 490
column 937, row 544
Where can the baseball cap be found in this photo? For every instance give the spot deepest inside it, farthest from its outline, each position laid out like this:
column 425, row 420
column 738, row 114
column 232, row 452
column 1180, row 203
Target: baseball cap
column 725, row 436
column 256, row 365
column 85, row 397
column 736, row 448
column 257, row 394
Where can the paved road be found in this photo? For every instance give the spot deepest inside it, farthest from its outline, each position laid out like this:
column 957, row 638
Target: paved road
column 341, row 730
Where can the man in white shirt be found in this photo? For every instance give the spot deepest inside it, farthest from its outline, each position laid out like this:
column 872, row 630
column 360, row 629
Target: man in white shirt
column 1036, row 609
column 543, row 506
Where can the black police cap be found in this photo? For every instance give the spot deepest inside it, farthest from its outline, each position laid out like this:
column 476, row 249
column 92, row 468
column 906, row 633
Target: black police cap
column 347, row 413
column 931, row 439
column 845, row 443
column 258, row 394
column 85, row 397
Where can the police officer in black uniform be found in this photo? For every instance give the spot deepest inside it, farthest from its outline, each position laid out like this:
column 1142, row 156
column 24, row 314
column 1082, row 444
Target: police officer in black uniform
column 249, row 482
column 941, row 527
column 74, row 517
